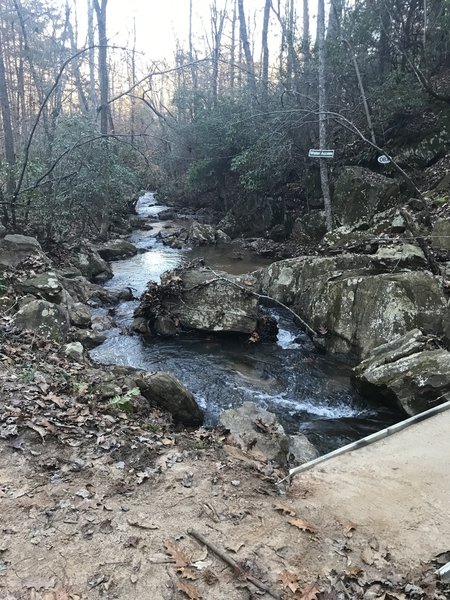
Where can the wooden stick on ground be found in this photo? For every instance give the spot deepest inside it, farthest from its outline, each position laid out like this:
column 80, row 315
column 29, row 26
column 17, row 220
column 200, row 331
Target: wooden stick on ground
column 233, row 564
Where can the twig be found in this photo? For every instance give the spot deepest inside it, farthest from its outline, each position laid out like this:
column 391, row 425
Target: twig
column 233, row 564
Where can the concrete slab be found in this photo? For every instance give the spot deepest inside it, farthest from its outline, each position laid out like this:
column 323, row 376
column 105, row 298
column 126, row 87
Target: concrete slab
column 397, row 489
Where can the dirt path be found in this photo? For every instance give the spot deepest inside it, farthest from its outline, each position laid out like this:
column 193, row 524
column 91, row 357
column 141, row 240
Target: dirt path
column 77, row 527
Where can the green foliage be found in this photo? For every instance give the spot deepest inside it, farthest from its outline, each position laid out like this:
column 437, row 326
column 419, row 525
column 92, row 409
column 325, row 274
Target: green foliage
column 93, row 177
column 122, row 402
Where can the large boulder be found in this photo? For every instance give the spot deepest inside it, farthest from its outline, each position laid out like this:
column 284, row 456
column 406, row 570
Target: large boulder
column 91, row 264
column 404, row 373
column 197, row 298
column 250, row 216
column 360, row 193
column 166, row 392
column 254, row 428
column 117, row 250
column 14, row 249
column 200, row 234
column 46, row 319
column 357, row 306
column 2, row 231
column 46, row 286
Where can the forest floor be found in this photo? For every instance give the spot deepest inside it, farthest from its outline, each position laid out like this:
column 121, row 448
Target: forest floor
column 98, row 504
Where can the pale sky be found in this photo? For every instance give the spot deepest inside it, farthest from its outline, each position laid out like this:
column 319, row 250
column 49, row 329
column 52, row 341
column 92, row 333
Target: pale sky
column 159, row 22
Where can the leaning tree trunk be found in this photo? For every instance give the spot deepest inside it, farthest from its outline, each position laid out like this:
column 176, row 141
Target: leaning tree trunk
column 324, row 179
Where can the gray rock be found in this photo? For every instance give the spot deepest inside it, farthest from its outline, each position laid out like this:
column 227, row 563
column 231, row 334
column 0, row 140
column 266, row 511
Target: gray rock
column 254, row 428
column 310, row 227
column 440, row 235
column 108, row 390
column 165, row 326
column 141, row 325
column 46, row 319
column 91, row 264
column 102, row 323
column 400, row 257
column 166, row 392
column 200, row 234
column 167, row 215
column 360, row 193
column 301, row 450
column 45, row 285
column 2, row 231
column 80, row 315
column 75, row 351
column 359, row 307
column 404, row 374
column 16, row 248
column 90, row 339
column 208, row 303
column 222, row 237
column 117, row 250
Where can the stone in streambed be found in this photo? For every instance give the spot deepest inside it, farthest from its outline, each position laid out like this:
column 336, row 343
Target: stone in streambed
column 166, row 392
column 117, row 250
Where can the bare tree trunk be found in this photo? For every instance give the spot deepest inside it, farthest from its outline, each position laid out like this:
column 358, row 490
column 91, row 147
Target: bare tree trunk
column 247, row 51
column 265, row 53
column 217, row 25
column 75, row 66
column 306, row 35
column 91, row 43
column 290, row 45
column 233, row 47
column 102, row 63
column 362, row 91
column 324, row 180
column 7, row 135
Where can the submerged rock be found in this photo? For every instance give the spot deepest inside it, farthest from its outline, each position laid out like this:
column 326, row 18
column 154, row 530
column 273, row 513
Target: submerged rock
column 166, row 392
column 198, row 298
column 404, row 373
column 117, row 250
column 46, row 319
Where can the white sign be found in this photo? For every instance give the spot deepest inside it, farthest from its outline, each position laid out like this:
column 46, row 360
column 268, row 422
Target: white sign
column 321, row 154
column 383, row 159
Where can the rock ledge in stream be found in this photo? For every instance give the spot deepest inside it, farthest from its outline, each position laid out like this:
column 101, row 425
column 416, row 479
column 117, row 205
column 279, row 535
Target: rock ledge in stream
column 407, row 373
column 197, row 298
column 117, row 250
column 166, row 392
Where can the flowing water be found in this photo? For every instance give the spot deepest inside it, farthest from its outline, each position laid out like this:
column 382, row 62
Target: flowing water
column 310, row 392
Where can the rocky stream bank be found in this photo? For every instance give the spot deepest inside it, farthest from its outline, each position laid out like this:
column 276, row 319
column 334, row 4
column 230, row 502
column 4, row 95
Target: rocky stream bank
column 372, row 291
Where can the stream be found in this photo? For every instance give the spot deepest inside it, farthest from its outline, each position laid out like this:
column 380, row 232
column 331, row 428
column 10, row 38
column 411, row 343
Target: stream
column 309, row 392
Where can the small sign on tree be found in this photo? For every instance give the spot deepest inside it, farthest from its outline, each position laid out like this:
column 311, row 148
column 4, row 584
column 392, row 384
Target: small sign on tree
column 321, row 153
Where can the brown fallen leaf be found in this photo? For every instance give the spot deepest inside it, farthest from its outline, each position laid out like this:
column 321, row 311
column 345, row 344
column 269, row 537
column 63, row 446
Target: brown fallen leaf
column 285, row 510
column 177, row 553
column 308, row 593
column 288, row 580
column 190, row 590
column 187, row 573
column 302, row 525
